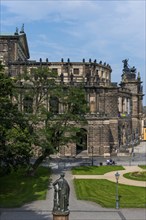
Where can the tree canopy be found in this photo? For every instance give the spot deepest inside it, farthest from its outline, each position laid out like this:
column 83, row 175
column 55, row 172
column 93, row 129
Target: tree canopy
column 14, row 145
column 38, row 111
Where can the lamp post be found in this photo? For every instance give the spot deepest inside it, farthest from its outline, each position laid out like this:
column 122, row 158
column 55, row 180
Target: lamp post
column 133, row 141
column 117, row 175
column 92, row 155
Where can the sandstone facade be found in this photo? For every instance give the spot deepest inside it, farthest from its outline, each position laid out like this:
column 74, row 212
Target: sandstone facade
column 115, row 118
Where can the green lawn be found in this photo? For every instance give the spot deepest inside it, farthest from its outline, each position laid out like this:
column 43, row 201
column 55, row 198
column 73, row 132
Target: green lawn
column 95, row 170
column 142, row 166
column 103, row 193
column 17, row 189
column 140, row 176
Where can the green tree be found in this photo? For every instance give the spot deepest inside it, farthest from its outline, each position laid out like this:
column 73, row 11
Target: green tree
column 50, row 127
column 14, row 145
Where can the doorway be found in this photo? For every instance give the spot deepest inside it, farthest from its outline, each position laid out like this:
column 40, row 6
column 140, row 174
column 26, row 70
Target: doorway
column 81, row 143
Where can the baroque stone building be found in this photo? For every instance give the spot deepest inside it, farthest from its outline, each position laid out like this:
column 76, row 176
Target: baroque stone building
column 115, row 118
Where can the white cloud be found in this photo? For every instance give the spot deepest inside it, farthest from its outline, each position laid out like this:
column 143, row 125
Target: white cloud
column 104, row 30
column 91, row 18
column 36, row 10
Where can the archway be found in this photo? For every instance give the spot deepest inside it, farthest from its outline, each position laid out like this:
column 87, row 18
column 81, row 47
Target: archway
column 81, row 143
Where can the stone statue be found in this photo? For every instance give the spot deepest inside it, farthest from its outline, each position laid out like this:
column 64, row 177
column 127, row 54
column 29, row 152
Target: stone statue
column 133, row 69
column 125, row 63
column 61, row 195
column 16, row 32
column 22, row 29
column 126, row 68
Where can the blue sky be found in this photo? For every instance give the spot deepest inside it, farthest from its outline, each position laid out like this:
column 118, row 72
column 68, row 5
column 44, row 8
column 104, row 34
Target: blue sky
column 99, row 29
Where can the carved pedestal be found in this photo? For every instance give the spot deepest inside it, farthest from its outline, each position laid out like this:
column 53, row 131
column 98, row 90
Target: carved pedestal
column 60, row 215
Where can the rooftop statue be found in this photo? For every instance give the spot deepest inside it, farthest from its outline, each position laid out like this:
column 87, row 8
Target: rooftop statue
column 127, row 68
column 125, row 63
column 16, row 32
column 61, row 195
column 22, row 29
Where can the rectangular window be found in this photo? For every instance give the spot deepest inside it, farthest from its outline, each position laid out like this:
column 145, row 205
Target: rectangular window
column 54, row 105
column 28, row 105
column 76, row 71
column 54, row 70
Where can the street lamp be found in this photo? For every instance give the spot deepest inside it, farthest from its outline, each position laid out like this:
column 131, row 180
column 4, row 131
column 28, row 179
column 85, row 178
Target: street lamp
column 92, row 154
column 133, row 141
column 117, row 175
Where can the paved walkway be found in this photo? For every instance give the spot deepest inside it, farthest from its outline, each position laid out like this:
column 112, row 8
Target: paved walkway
column 79, row 210
column 111, row 176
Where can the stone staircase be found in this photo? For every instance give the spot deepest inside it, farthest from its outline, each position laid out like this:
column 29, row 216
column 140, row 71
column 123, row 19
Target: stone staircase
column 82, row 154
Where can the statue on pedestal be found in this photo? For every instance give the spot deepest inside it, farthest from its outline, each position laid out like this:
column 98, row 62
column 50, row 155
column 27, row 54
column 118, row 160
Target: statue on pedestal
column 61, row 195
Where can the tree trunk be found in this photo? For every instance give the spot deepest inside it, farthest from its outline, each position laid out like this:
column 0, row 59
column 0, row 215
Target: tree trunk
column 36, row 164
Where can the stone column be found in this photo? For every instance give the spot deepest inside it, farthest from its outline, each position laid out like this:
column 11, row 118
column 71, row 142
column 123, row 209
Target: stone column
column 125, row 104
column 120, row 104
column 128, row 106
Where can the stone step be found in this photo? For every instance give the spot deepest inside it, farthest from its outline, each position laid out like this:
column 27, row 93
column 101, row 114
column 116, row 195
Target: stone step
column 82, row 154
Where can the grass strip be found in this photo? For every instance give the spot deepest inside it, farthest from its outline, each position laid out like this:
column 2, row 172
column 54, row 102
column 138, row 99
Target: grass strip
column 16, row 189
column 95, row 170
column 103, row 192
column 139, row 175
column 142, row 166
